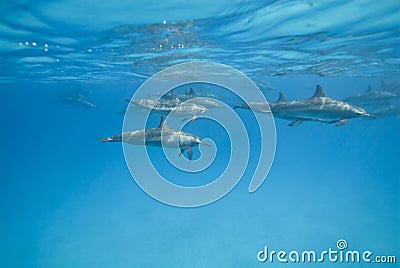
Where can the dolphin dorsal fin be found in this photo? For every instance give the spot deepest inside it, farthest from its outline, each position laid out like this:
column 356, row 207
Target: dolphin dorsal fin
column 281, row 97
column 191, row 92
column 369, row 88
column 163, row 123
column 319, row 93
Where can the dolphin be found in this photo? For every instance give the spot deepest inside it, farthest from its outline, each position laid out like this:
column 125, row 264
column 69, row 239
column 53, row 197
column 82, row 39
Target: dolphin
column 393, row 87
column 165, row 107
column 209, row 101
column 262, row 107
column 387, row 111
column 371, row 97
column 318, row 108
column 182, row 97
column 163, row 135
column 187, row 96
column 75, row 100
column 277, row 107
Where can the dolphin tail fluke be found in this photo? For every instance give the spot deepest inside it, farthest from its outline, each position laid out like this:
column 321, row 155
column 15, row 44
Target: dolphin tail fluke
column 134, row 102
column 370, row 116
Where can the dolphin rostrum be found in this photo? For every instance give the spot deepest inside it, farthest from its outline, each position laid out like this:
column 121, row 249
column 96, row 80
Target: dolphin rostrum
column 163, row 135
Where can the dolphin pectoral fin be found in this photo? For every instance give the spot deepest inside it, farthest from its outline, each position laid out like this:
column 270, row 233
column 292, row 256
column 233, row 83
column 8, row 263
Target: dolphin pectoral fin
column 190, row 153
column 341, row 122
column 332, row 122
column 190, row 120
column 295, row 123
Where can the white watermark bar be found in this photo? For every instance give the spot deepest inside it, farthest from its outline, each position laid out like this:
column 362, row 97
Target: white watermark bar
column 340, row 254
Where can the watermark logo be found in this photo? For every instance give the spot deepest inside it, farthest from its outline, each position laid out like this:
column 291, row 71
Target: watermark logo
column 147, row 173
column 341, row 244
column 340, row 254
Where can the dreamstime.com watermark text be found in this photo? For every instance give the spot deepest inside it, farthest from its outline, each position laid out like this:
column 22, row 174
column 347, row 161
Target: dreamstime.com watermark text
column 340, row 254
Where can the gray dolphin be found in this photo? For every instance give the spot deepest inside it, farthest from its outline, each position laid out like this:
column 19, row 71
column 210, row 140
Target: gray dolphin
column 165, row 107
column 76, row 99
column 208, row 101
column 318, row 108
column 371, row 97
column 182, row 97
column 387, row 111
column 163, row 135
column 393, row 87
column 277, row 108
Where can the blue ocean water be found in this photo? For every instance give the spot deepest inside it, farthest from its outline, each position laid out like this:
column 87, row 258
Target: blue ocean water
column 67, row 200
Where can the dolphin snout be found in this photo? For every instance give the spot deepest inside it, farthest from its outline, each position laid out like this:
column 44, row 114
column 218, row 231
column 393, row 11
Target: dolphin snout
column 204, row 143
column 370, row 116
